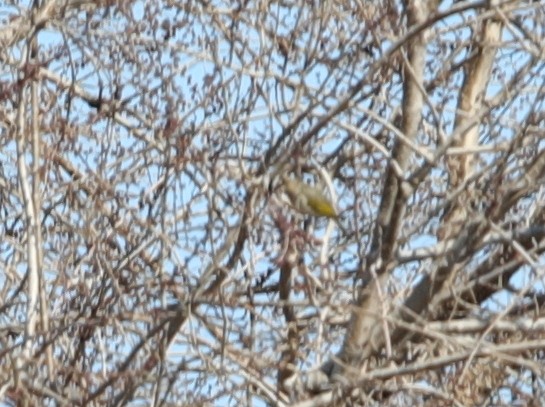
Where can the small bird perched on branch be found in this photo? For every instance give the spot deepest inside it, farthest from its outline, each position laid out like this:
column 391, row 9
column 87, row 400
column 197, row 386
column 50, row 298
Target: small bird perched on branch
column 310, row 200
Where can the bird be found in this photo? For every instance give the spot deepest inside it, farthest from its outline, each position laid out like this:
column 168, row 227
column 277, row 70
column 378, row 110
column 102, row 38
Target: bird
column 309, row 200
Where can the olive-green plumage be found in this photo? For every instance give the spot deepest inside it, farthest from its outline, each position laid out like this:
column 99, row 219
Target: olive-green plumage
column 309, row 200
